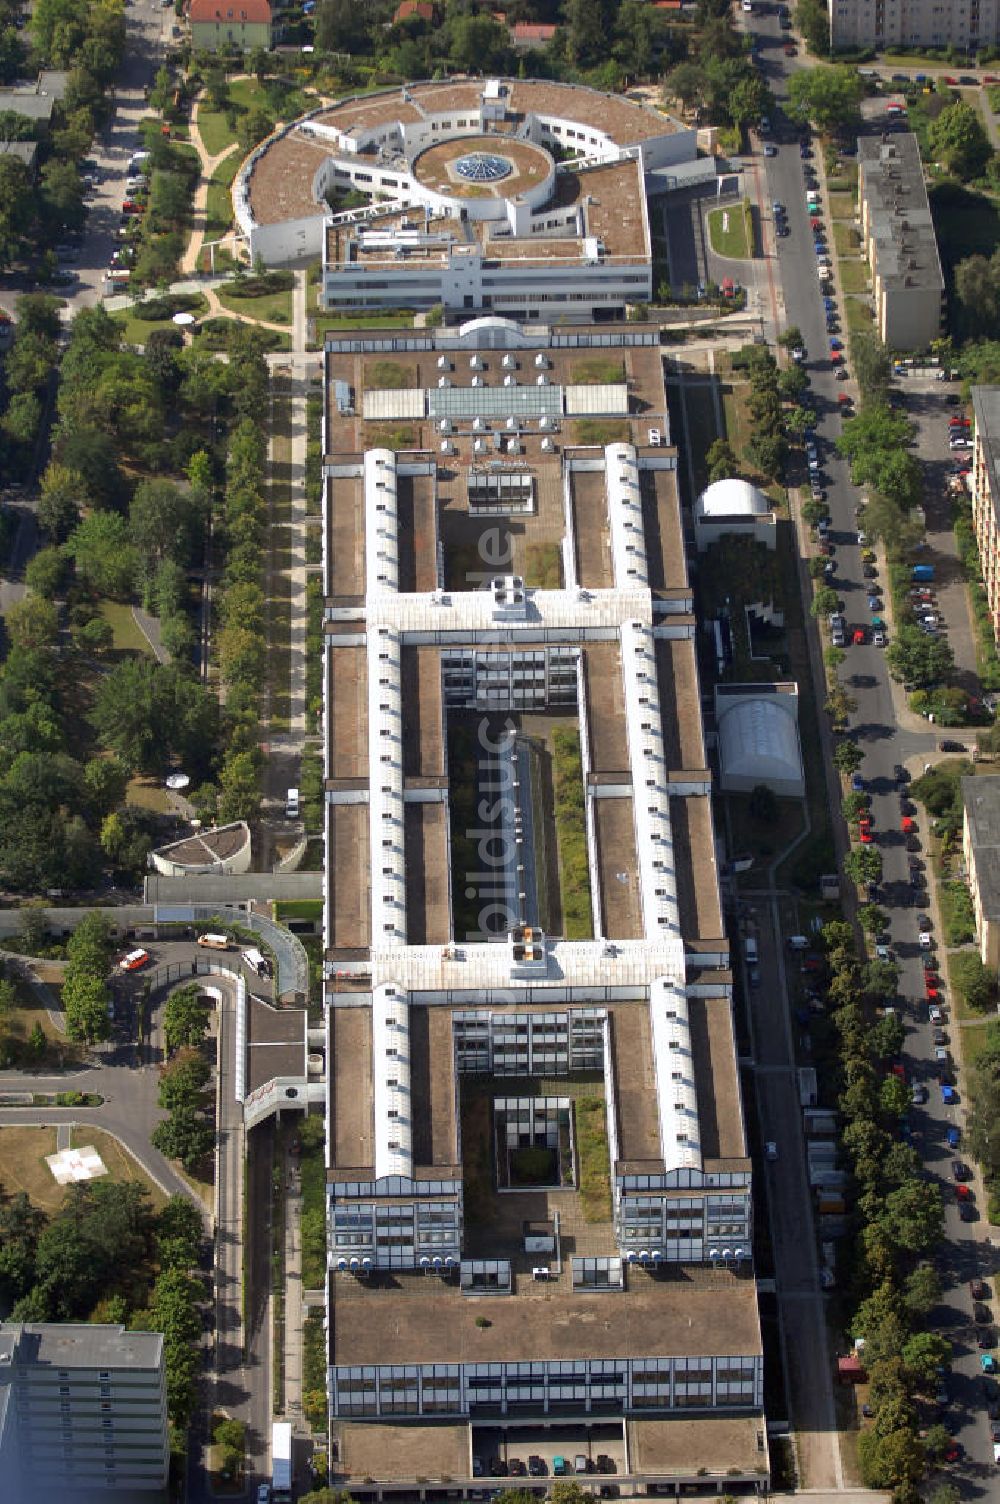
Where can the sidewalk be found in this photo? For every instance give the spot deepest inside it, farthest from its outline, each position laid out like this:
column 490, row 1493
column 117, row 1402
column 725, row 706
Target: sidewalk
column 294, row 1314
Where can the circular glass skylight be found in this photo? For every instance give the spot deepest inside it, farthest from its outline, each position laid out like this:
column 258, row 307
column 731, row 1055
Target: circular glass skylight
column 483, row 167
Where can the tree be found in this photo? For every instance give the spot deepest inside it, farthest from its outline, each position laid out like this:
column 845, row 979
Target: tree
column 185, row 1018
column 33, row 622
column 847, row 757
column 977, row 289
column 923, row 1355
column 875, row 426
column 721, row 461
column 47, row 573
column 977, row 983
column 62, row 490
column 872, row 919
column 749, row 100
column 184, row 1135
column 255, row 126
column 183, row 1079
column 813, row 21
column 852, row 806
column 240, row 787
column 958, row 139
column 922, row 1290
column 829, row 97
column 687, row 83
column 586, row 41
column 863, row 865
column 85, row 1000
column 164, row 523
column 180, row 1226
column 872, row 366
column 105, row 559
column 889, row 1461
column 21, row 1225
column 914, row 658
column 824, row 602
column 894, row 1097
column 880, row 978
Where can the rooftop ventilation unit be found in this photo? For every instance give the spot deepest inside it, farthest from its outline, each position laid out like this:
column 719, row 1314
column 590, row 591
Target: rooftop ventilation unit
column 443, row 363
column 476, row 363
column 479, row 425
column 542, row 381
column 447, row 447
column 478, row 446
column 443, row 381
column 511, row 425
column 444, row 425
column 510, row 381
column 509, row 363
column 541, row 362
column 477, row 381
column 547, row 446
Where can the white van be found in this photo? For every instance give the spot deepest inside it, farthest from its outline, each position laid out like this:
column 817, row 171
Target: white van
column 292, row 804
column 254, row 961
column 214, row 942
column 798, row 942
column 750, row 951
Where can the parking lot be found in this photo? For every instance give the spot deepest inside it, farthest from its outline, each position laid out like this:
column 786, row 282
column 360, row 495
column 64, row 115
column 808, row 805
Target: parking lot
column 512, row 1451
column 930, row 404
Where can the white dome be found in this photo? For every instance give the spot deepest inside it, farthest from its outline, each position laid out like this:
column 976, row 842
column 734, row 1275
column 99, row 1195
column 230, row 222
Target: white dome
column 732, row 498
column 758, row 740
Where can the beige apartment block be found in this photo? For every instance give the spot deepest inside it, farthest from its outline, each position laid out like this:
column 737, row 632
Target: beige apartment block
column 981, row 851
column 899, row 242
column 884, row 24
column 986, row 492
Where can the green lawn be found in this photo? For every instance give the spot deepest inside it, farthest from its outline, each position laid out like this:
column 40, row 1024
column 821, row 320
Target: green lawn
column 269, row 308
column 853, row 276
column 858, row 315
column 128, row 638
column 845, row 238
column 219, row 206
column 215, row 132
column 137, row 330
column 730, row 232
column 841, row 206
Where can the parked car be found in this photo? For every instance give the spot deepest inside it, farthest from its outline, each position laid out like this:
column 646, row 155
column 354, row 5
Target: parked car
column 133, row 960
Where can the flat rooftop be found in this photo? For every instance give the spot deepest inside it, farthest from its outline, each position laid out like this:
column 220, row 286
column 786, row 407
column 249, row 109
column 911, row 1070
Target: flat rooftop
column 625, row 121
column 893, row 188
column 609, row 196
column 349, row 434
column 981, row 798
column 82, row 1345
column 276, row 1042
column 380, row 1449
column 720, row 1110
column 986, row 411
column 416, row 1320
column 688, row 1444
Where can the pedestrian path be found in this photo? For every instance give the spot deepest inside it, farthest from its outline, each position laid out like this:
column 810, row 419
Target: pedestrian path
column 294, row 1314
column 189, row 263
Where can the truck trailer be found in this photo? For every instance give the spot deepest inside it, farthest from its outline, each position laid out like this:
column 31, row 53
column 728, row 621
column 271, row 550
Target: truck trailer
column 281, row 1462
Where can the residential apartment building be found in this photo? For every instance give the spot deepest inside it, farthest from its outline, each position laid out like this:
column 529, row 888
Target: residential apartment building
column 83, row 1413
column 981, row 851
column 966, row 25
column 986, row 492
column 230, row 25
column 540, row 1215
column 899, row 241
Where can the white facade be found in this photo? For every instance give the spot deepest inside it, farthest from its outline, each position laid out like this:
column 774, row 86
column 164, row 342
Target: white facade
column 83, row 1412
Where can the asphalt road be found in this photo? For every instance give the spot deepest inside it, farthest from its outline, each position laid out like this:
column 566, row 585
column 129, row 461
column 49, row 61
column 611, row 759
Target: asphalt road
column 148, row 26
column 967, row 1249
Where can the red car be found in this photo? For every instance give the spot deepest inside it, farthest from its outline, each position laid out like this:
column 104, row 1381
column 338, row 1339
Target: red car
column 858, row 636
column 948, row 79
column 836, row 358
column 899, row 1069
column 815, row 224
column 866, row 837
column 957, row 422
column 907, row 826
